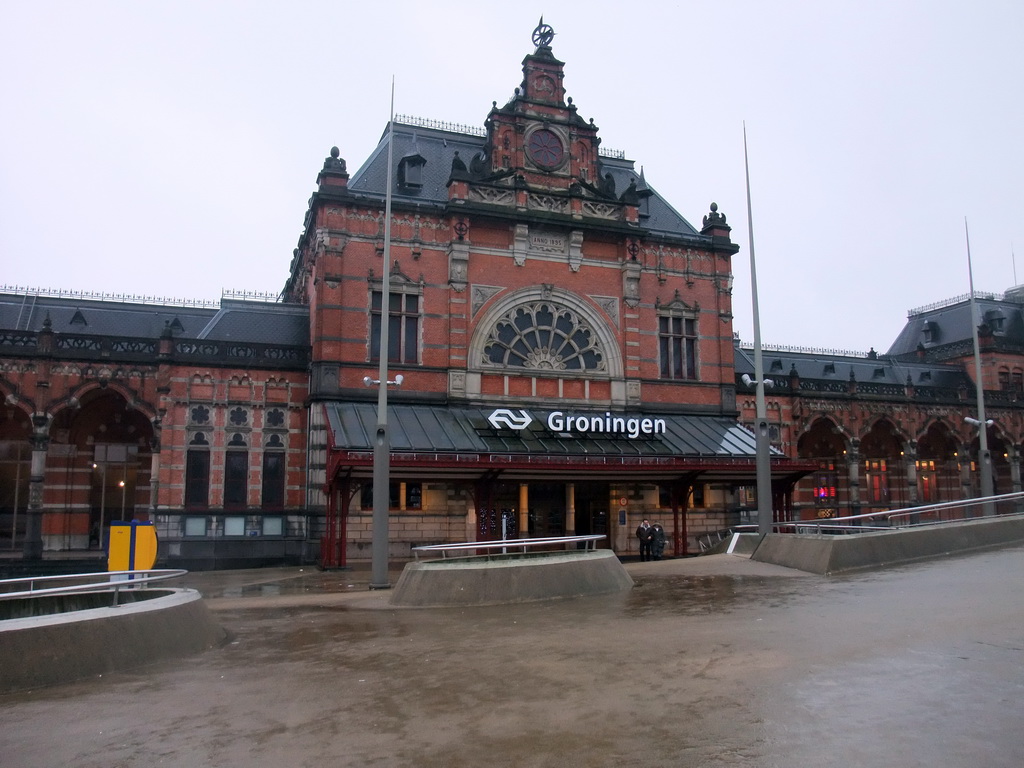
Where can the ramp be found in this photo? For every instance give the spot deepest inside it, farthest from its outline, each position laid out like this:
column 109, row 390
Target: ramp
column 512, row 579
column 825, row 554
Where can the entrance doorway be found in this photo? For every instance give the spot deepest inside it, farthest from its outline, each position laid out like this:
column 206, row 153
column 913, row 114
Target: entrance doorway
column 592, row 501
column 497, row 511
column 547, row 509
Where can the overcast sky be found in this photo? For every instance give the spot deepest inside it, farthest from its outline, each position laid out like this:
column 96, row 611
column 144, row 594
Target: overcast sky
column 170, row 148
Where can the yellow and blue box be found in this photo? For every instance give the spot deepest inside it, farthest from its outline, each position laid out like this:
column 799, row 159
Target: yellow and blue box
column 132, row 546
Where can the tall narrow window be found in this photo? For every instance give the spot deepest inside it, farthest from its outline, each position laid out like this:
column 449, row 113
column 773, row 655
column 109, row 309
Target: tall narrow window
column 413, row 496
column 825, row 481
column 236, row 470
column 926, row 485
column 403, row 326
column 877, row 481
column 197, row 478
column 273, row 480
column 677, row 337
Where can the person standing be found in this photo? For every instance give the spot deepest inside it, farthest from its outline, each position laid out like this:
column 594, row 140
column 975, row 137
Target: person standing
column 645, row 534
column 658, row 542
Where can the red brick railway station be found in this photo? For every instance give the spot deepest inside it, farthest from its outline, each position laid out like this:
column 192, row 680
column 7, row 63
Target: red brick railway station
column 569, row 365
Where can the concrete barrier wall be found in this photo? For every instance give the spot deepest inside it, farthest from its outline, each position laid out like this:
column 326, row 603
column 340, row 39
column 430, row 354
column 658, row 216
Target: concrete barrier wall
column 472, row 581
column 45, row 650
column 826, row 554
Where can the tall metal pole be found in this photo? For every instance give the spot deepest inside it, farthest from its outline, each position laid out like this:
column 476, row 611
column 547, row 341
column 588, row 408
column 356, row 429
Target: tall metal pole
column 382, row 444
column 103, row 497
column 984, row 454
column 762, row 444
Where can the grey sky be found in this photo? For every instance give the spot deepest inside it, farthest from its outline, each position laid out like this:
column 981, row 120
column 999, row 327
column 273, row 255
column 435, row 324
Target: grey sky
column 169, row 149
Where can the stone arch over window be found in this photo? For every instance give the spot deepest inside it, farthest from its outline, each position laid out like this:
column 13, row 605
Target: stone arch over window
column 823, row 438
column 937, row 464
column 546, row 329
column 883, row 467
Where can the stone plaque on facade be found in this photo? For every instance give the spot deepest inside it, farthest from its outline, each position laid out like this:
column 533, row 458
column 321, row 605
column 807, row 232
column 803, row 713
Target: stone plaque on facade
column 546, row 242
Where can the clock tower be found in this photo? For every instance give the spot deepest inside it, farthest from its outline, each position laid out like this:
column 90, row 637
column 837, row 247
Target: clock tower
column 537, row 138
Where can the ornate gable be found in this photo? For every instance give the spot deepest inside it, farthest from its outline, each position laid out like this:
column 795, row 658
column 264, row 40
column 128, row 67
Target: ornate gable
column 540, row 155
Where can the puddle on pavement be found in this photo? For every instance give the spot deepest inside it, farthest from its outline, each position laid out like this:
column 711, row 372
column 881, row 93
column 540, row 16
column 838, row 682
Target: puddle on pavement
column 704, row 595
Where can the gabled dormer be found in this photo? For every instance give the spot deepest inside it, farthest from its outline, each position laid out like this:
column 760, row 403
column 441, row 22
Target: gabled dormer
column 410, row 171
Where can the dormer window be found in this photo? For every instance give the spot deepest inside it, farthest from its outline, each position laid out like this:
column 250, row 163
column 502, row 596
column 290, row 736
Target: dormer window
column 410, row 171
column 878, row 373
column 995, row 320
column 930, row 332
column 830, row 369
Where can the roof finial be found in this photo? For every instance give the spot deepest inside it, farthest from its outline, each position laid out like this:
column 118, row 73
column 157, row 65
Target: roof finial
column 543, row 34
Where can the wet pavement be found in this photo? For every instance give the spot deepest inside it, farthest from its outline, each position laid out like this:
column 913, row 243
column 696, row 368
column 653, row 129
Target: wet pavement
column 715, row 661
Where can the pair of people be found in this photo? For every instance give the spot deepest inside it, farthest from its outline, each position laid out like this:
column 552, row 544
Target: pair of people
column 652, row 540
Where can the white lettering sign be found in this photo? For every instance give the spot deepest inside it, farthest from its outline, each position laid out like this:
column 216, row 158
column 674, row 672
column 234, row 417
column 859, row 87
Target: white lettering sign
column 632, row 427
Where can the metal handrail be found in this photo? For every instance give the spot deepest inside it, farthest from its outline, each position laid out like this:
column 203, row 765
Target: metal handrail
column 104, row 581
column 834, row 523
column 505, row 544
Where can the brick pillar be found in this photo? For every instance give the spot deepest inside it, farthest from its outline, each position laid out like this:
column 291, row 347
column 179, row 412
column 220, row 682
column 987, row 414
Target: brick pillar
column 154, row 475
column 853, row 470
column 33, row 547
column 910, row 461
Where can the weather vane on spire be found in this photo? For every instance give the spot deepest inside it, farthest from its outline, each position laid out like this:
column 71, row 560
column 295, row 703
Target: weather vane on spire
column 543, row 34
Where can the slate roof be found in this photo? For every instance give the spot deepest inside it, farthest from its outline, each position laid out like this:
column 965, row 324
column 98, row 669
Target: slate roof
column 949, row 323
column 824, row 366
column 438, row 148
column 244, row 321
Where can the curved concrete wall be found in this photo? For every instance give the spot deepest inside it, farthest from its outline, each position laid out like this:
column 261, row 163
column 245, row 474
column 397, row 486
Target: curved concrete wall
column 473, row 581
column 826, row 554
column 44, row 650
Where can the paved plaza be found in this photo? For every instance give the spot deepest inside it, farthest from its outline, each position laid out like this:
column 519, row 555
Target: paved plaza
column 714, row 661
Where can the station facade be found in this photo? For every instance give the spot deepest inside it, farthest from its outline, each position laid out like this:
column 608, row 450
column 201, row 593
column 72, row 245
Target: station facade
column 900, row 429
column 564, row 343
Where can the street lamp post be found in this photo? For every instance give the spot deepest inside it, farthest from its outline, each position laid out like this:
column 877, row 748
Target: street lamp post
column 984, row 454
column 103, row 499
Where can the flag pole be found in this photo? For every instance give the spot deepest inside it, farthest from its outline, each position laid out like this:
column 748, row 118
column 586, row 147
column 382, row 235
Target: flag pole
column 761, row 436
column 382, row 444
